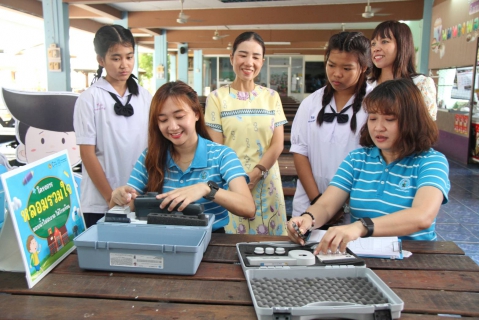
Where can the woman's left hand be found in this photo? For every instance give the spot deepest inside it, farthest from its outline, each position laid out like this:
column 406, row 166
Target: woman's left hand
column 186, row 195
column 254, row 178
column 337, row 238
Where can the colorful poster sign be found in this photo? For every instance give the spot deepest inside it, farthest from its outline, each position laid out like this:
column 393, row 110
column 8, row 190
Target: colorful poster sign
column 44, row 212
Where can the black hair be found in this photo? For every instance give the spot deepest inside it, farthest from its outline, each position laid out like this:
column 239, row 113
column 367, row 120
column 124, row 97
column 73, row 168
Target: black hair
column 105, row 38
column 359, row 45
column 246, row 36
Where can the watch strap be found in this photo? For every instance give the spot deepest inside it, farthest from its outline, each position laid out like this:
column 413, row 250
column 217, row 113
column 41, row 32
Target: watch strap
column 369, row 225
column 263, row 170
column 213, row 189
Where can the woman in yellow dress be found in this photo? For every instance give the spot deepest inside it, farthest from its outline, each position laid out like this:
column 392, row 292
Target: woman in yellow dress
column 249, row 119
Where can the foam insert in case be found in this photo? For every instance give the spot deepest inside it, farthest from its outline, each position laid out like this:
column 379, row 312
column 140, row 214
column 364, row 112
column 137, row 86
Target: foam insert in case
column 346, row 290
column 140, row 248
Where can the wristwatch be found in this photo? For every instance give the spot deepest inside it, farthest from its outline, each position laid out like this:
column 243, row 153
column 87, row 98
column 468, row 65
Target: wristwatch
column 369, row 225
column 214, row 188
column 264, row 172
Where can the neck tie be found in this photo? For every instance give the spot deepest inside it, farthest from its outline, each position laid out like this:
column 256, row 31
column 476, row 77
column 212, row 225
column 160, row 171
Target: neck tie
column 122, row 110
column 341, row 117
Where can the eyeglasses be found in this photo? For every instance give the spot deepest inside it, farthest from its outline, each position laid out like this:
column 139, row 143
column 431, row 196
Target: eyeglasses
column 341, row 116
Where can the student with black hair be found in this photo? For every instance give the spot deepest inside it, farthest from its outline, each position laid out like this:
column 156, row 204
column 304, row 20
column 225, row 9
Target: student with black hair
column 327, row 124
column 249, row 118
column 111, row 121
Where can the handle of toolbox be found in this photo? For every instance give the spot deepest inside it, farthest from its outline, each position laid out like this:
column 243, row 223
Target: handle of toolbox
column 332, row 304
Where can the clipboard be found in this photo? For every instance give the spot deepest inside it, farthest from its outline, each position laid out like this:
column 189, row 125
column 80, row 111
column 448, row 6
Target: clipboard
column 372, row 247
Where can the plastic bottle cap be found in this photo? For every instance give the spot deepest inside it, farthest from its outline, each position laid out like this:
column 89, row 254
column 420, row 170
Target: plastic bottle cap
column 269, row 250
column 259, row 250
column 280, row 250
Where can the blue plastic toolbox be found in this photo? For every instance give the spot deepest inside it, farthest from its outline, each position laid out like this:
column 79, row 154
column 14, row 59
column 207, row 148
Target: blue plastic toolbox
column 141, row 248
column 131, row 215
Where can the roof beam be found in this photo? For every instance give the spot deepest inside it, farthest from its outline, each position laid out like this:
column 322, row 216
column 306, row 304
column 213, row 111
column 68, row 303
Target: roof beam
column 405, row 10
column 95, row 11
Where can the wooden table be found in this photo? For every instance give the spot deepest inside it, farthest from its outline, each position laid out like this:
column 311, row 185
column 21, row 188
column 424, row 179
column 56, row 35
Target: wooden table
column 437, row 279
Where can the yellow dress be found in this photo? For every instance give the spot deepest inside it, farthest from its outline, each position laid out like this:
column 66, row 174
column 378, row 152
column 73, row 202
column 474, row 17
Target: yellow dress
column 247, row 121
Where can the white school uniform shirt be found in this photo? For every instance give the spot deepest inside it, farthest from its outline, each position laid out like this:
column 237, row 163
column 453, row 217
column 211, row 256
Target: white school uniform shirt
column 118, row 140
column 326, row 146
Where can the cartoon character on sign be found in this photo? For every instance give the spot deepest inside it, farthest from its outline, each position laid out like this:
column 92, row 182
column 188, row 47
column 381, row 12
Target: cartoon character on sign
column 44, row 125
column 34, row 249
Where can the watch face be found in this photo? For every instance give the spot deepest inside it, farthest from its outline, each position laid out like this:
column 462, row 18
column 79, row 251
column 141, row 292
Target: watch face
column 213, row 185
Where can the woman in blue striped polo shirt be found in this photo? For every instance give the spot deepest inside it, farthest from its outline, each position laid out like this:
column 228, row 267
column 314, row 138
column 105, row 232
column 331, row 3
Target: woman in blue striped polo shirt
column 182, row 164
column 396, row 182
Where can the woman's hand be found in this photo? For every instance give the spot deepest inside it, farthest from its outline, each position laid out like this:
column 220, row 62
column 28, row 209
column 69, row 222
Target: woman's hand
column 254, row 177
column 304, row 223
column 186, row 195
column 122, row 196
column 337, row 238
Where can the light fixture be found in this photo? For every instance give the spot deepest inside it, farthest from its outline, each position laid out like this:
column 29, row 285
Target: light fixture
column 229, row 47
column 278, row 43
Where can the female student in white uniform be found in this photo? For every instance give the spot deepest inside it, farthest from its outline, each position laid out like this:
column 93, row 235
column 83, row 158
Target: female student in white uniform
column 327, row 124
column 110, row 121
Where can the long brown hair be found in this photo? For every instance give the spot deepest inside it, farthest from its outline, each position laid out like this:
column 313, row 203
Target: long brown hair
column 404, row 65
column 357, row 44
column 158, row 145
column 401, row 98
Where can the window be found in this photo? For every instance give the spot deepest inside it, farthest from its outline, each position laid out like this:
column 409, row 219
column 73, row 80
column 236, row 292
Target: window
column 315, row 76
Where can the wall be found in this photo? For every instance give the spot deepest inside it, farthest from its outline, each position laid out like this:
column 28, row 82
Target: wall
column 454, row 33
column 454, row 30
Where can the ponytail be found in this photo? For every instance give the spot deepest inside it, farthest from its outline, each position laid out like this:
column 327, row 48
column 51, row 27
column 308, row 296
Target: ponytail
column 132, row 85
column 97, row 74
column 327, row 96
column 357, row 103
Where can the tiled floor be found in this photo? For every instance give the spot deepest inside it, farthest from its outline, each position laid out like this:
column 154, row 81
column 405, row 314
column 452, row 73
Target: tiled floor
column 458, row 220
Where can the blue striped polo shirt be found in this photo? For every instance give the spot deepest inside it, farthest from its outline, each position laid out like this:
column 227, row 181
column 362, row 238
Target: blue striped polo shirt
column 378, row 189
column 212, row 161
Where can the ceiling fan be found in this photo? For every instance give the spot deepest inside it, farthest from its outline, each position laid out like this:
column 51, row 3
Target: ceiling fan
column 369, row 12
column 182, row 18
column 217, row 36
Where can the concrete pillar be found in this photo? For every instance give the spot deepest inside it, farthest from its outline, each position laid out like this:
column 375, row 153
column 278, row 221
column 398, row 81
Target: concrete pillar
column 57, row 36
column 198, row 72
column 426, row 36
column 183, row 62
column 173, row 76
column 160, row 60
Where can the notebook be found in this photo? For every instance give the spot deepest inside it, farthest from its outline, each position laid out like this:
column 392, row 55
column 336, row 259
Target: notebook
column 372, row 247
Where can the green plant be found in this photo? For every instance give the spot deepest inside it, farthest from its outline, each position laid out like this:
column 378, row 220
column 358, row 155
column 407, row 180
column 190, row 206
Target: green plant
column 145, row 62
